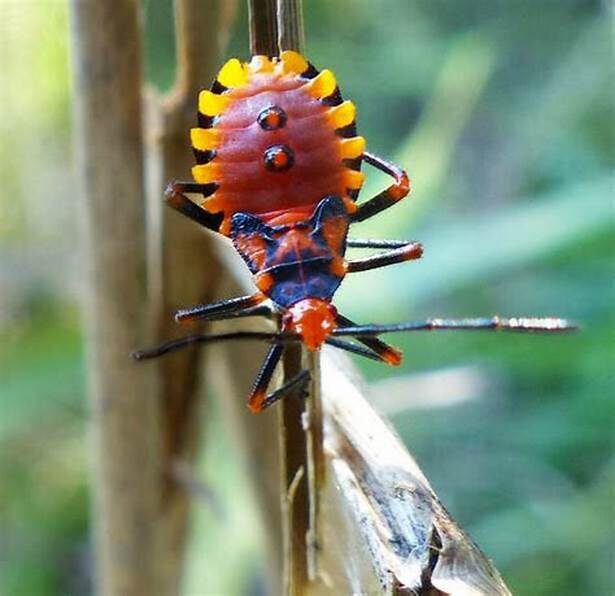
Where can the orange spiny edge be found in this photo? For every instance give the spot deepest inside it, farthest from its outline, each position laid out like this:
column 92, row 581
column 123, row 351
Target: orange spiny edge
column 342, row 115
column 207, row 173
column 212, row 104
column 205, row 139
column 401, row 188
column 352, row 148
column 233, row 74
column 293, row 62
column 322, row 85
column 353, row 179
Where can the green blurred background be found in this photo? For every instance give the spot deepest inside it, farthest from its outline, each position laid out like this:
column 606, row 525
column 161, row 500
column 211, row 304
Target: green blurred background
column 502, row 111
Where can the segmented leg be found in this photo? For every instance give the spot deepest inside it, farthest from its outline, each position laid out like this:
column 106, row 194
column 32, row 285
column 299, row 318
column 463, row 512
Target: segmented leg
column 386, row 353
column 228, row 308
column 354, row 349
column 175, row 198
column 296, row 383
column 201, row 338
column 387, row 197
column 259, row 399
column 407, row 252
column 371, row 243
column 520, row 324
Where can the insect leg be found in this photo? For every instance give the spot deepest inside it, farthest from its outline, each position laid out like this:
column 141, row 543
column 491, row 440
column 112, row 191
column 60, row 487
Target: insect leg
column 175, row 197
column 406, row 252
column 353, row 348
column 259, row 398
column 216, row 310
column 370, row 243
column 520, row 324
column 387, row 197
column 385, row 352
column 182, row 342
column 298, row 382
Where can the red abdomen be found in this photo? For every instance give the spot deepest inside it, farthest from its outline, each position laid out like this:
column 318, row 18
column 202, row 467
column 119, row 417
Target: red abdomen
column 277, row 141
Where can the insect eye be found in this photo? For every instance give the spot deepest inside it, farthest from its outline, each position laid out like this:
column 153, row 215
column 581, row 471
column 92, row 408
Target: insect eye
column 278, row 158
column 272, row 118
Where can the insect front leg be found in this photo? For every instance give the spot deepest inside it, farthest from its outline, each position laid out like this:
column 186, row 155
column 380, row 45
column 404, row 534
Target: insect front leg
column 224, row 309
column 406, row 252
column 175, row 197
column 387, row 197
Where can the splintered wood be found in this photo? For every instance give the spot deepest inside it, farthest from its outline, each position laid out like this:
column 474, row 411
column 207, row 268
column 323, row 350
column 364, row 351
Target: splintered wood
column 383, row 528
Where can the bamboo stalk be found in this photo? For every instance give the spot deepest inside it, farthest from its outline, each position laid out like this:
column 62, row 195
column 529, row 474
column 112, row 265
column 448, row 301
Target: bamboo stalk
column 124, row 417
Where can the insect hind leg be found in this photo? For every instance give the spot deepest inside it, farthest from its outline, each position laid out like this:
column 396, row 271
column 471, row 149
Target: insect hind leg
column 383, row 351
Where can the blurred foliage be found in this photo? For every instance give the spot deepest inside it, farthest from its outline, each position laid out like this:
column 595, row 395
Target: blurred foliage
column 503, row 114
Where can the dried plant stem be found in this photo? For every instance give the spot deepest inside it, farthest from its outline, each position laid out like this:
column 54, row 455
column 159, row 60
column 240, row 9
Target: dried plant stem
column 275, row 26
column 293, row 464
column 313, row 428
column 290, row 25
column 263, row 27
column 124, row 419
column 183, row 266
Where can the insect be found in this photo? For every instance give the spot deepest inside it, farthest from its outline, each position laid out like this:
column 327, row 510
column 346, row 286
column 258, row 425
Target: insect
column 278, row 164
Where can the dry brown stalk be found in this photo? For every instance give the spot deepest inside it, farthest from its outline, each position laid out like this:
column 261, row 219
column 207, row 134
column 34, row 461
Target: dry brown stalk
column 277, row 25
column 124, row 417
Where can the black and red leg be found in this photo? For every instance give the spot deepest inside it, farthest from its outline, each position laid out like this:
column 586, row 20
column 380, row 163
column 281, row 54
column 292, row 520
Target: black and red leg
column 372, row 243
column 391, row 195
column 353, row 348
column 224, row 309
column 243, row 306
column 381, row 350
column 516, row 324
column 259, row 398
column 203, row 338
column 175, row 197
column 403, row 251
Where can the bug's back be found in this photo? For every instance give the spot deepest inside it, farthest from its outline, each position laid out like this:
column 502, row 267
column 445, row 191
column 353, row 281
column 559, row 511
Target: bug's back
column 276, row 137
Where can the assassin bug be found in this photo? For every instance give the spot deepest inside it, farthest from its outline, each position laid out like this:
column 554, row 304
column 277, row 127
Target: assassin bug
column 279, row 167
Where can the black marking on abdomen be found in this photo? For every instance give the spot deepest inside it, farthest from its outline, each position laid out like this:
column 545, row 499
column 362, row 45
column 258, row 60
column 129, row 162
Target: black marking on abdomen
column 203, row 157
